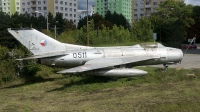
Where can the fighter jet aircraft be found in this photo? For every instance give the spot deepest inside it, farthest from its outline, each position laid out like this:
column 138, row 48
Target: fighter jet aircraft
column 99, row 61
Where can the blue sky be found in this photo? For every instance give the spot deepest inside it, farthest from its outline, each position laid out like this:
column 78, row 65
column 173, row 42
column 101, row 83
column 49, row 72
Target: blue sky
column 193, row 2
column 82, row 4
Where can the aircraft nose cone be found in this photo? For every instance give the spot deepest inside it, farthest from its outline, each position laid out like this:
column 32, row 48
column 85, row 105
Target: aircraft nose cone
column 179, row 54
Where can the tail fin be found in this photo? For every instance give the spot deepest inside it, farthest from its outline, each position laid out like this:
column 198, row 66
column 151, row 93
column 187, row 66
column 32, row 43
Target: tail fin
column 36, row 41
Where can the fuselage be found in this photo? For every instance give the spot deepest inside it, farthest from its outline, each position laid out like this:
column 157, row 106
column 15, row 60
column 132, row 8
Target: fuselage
column 160, row 54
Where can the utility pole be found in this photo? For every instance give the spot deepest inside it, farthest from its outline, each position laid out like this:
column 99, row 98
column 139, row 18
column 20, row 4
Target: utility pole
column 87, row 26
column 55, row 29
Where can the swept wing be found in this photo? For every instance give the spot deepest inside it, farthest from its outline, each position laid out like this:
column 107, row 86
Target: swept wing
column 104, row 63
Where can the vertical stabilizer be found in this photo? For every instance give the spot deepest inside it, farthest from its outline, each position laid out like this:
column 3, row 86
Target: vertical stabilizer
column 36, row 41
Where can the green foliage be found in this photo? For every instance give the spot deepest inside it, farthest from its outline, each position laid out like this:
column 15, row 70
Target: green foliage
column 120, row 21
column 171, row 20
column 194, row 30
column 142, row 31
column 5, row 38
column 104, row 36
column 67, row 37
column 30, row 68
column 11, row 69
column 98, row 21
column 7, row 66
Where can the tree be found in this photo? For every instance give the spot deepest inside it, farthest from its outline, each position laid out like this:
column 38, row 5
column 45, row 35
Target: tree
column 194, row 30
column 117, row 19
column 70, row 25
column 174, row 19
column 142, row 31
column 98, row 21
column 61, row 23
column 5, row 38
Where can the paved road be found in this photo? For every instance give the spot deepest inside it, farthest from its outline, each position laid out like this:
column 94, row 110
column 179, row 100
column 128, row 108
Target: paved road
column 190, row 60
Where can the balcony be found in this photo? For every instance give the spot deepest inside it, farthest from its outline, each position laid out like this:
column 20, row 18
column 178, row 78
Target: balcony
column 147, row 6
column 33, row 11
column 33, row 5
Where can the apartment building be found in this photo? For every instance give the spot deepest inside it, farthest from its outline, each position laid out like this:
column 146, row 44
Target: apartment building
column 10, row 6
column 0, row 5
column 84, row 13
column 123, row 7
column 68, row 8
column 144, row 8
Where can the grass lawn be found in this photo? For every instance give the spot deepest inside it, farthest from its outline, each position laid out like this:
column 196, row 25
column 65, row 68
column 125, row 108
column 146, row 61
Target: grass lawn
column 157, row 91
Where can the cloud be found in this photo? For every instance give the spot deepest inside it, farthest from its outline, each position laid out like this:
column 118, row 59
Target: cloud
column 82, row 4
column 193, row 2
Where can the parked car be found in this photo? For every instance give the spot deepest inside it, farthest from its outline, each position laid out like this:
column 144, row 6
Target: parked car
column 186, row 45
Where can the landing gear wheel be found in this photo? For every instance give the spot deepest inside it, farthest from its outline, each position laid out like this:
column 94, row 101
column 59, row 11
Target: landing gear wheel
column 166, row 67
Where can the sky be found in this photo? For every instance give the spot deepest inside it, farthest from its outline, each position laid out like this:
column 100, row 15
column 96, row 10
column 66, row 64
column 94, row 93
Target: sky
column 82, row 4
column 193, row 2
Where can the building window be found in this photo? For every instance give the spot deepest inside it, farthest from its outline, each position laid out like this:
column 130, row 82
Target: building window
column 70, row 15
column 39, row 8
column 65, row 3
column 66, row 9
column 155, row 3
column 61, row 8
column 28, row 3
column 39, row 2
column 135, row 5
column 74, row 15
column 56, row 7
column 44, row 2
column 23, row 9
column 56, row 1
column 61, row 2
column 74, row 10
column 74, row 5
column 70, row 4
column 70, row 9
column 44, row 8
column 17, row 8
column 66, row 14
column 23, row 4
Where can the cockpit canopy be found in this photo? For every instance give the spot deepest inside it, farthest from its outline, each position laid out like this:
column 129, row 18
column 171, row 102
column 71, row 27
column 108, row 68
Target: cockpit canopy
column 151, row 45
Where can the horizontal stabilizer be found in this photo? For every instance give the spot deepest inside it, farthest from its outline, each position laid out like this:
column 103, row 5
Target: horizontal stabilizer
column 45, row 55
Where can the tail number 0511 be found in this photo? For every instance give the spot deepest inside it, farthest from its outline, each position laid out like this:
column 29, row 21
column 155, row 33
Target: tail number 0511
column 80, row 55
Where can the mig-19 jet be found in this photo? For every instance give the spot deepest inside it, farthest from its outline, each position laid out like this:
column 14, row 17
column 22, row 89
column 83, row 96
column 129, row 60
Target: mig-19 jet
column 99, row 61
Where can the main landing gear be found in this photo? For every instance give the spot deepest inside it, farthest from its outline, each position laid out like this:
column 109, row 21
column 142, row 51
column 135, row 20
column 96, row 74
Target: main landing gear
column 166, row 67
